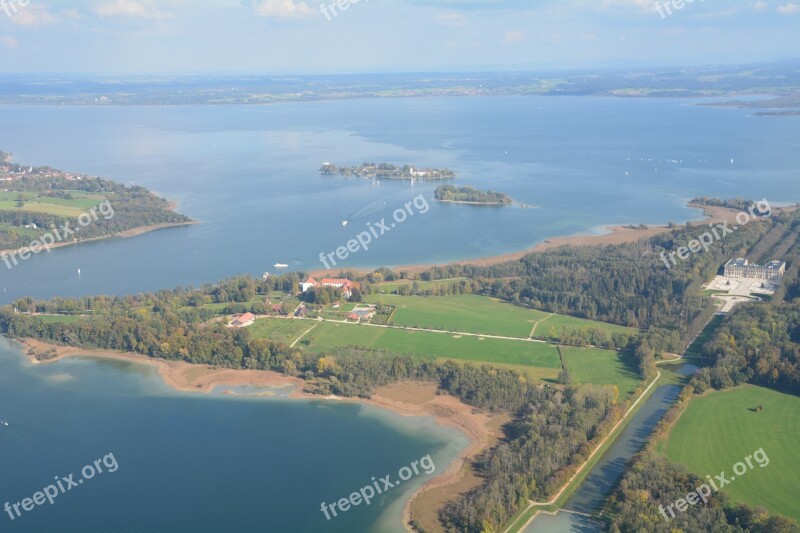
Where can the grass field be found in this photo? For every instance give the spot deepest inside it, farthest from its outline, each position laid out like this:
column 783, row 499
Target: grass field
column 441, row 345
column 467, row 312
column 471, row 313
column 60, row 319
column 603, row 367
column 558, row 322
column 284, row 330
column 390, row 287
column 718, row 430
column 34, row 203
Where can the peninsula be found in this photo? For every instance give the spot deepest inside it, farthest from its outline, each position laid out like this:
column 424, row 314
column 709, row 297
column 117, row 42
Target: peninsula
column 471, row 195
column 34, row 200
column 373, row 171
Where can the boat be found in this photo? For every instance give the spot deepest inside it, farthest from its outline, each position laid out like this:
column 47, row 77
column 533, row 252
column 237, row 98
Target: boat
column 281, row 265
column 345, row 222
column 3, row 423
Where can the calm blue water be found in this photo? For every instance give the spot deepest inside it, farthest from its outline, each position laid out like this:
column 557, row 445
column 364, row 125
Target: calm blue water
column 192, row 462
column 249, row 175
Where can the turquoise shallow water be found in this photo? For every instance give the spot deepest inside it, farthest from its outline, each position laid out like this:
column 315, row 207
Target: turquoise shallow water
column 193, row 462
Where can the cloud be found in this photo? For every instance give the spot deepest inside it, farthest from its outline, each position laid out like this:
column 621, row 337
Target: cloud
column 282, row 9
column 33, row 16
column 760, row 6
column 131, row 8
column 513, row 37
column 8, row 42
column 453, row 20
column 789, row 8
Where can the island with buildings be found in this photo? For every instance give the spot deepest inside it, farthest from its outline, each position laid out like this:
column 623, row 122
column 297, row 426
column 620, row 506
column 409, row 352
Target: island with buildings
column 379, row 171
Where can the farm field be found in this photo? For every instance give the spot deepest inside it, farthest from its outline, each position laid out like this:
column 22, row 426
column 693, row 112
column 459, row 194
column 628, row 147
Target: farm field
column 602, row 367
column 472, row 313
column 441, row 345
column 285, row 330
column 718, row 430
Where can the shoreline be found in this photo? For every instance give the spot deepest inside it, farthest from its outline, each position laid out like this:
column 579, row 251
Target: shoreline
column 614, row 235
column 133, row 232
column 407, row 399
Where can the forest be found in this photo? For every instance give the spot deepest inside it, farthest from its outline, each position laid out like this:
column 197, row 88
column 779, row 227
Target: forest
column 467, row 194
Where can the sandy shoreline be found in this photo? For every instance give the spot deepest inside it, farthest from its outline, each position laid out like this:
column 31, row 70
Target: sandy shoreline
column 615, row 235
column 405, row 399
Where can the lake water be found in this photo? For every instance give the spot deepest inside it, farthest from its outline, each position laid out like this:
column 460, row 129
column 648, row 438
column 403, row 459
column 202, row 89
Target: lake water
column 249, row 175
column 194, row 462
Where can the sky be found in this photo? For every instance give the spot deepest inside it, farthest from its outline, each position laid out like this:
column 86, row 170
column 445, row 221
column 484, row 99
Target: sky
column 317, row 36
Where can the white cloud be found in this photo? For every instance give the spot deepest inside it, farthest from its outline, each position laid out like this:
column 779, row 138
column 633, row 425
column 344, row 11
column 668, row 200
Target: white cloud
column 789, row 8
column 513, row 37
column 453, row 20
column 131, row 8
column 282, row 9
column 33, row 16
column 8, row 42
column 760, row 6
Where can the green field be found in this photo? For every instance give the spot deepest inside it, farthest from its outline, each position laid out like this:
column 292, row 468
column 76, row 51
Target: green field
column 390, row 287
column 34, row 203
column 59, row 319
column 466, row 312
column 603, row 367
column 558, row 322
column 330, row 335
column 718, row 430
column 285, row 330
column 471, row 313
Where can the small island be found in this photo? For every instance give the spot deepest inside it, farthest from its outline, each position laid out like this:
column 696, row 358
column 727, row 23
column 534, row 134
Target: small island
column 34, row 201
column 471, row 195
column 373, row 171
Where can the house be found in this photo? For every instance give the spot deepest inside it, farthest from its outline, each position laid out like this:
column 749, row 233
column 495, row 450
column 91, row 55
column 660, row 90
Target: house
column 742, row 268
column 344, row 285
column 243, row 320
column 302, row 312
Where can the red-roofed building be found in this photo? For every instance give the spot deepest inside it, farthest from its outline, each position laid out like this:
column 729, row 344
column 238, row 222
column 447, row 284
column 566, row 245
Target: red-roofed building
column 243, row 320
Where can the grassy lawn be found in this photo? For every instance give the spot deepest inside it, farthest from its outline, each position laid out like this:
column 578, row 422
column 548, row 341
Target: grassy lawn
column 558, row 322
column 466, row 312
column 471, row 313
column 603, row 367
column 59, row 319
column 391, row 287
column 467, row 348
column 41, row 207
column 284, row 330
column 718, row 430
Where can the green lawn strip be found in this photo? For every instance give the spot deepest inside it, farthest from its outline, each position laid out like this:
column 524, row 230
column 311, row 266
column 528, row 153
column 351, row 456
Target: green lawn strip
column 603, row 367
column 391, row 287
column 331, row 335
column 60, row 319
column 720, row 429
